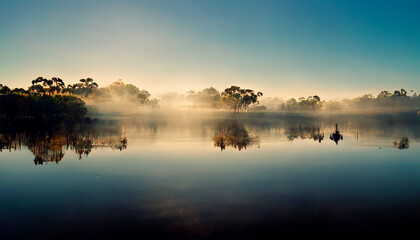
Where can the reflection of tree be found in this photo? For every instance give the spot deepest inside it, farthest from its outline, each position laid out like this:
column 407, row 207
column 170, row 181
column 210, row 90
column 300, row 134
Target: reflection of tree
column 46, row 149
column 336, row 135
column 51, row 145
column 304, row 132
column 404, row 143
column 83, row 146
column 232, row 133
column 7, row 142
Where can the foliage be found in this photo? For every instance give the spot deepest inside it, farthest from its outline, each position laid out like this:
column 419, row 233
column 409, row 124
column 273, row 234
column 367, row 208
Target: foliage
column 232, row 133
column 208, row 96
column 312, row 103
column 49, row 143
column 126, row 92
column 45, row 108
column 4, row 90
column 44, row 86
column 398, row 101
column 304, row 131
column 238, row 99
column 85, row 87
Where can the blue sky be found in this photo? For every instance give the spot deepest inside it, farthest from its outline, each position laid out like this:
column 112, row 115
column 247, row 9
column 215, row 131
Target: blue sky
column 283, row 48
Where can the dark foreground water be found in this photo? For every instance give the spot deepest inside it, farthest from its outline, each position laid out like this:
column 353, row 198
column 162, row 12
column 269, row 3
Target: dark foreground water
column 213, row 176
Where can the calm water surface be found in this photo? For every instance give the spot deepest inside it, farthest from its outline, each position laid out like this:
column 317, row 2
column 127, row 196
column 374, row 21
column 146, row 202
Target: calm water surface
column 214, row 176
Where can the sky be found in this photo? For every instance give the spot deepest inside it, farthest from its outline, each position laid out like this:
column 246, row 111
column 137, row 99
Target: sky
column 335, row 49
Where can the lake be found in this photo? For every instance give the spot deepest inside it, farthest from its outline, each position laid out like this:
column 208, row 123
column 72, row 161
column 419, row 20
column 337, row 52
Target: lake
column 200, row 174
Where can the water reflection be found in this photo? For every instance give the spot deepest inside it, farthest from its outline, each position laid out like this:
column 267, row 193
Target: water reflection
column 232, row 133
column 50, row 144
column 336, row 135
column 304, row 132
column 160, row 190
column 404, row 143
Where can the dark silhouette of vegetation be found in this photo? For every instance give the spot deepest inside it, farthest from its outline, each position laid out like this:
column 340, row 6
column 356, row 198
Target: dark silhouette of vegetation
column 301, row 131
column 336, row 135
column 232, row 133
column 404, row 143
column 50, row 100
column 44, row 86
column 85, row 87
column 58, row 108
column 312, row 103
column 239, row 99
column 4, row 90
column 233, row 98
column 385, row 101
column 45, row 100
column 49, row 143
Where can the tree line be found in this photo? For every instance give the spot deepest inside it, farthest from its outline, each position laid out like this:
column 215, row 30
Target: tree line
column 397, row 100
column 86, row 88
column 234, row 98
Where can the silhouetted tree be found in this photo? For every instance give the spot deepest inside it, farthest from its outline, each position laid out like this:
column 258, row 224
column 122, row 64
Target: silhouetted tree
column 309, row 104
column 19, row 91
column 59, row 85
column 384, row 94
column 36, row 89
column 239, row 99
column 4, row 90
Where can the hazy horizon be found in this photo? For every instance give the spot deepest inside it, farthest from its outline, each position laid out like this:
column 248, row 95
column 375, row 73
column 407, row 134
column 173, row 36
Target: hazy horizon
column 334, row 49
column 86, row 156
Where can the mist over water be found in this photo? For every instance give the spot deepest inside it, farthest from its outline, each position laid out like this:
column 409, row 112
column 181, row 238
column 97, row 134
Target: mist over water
column 193, row 173
column 113, row 162
column 217, row 119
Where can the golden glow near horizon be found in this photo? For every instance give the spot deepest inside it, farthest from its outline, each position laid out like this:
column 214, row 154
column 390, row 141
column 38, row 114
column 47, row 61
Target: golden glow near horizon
column 180, row 46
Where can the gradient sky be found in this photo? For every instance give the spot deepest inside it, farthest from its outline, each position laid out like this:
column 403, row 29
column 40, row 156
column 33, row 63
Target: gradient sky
column 282, row 48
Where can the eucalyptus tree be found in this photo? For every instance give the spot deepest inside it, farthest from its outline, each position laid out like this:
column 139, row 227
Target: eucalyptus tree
column 36, row 89
column 59, row 85
column 38, row 81
column 43, row 85
column 239, row 99
column 86, row 86
column 19, row 91
column 48, row 83
column 384, row 94
column 4, row 90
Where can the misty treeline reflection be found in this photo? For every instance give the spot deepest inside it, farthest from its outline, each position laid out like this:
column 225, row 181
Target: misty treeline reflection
column 246, row 131
column 232, row 133
column 50, row 143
